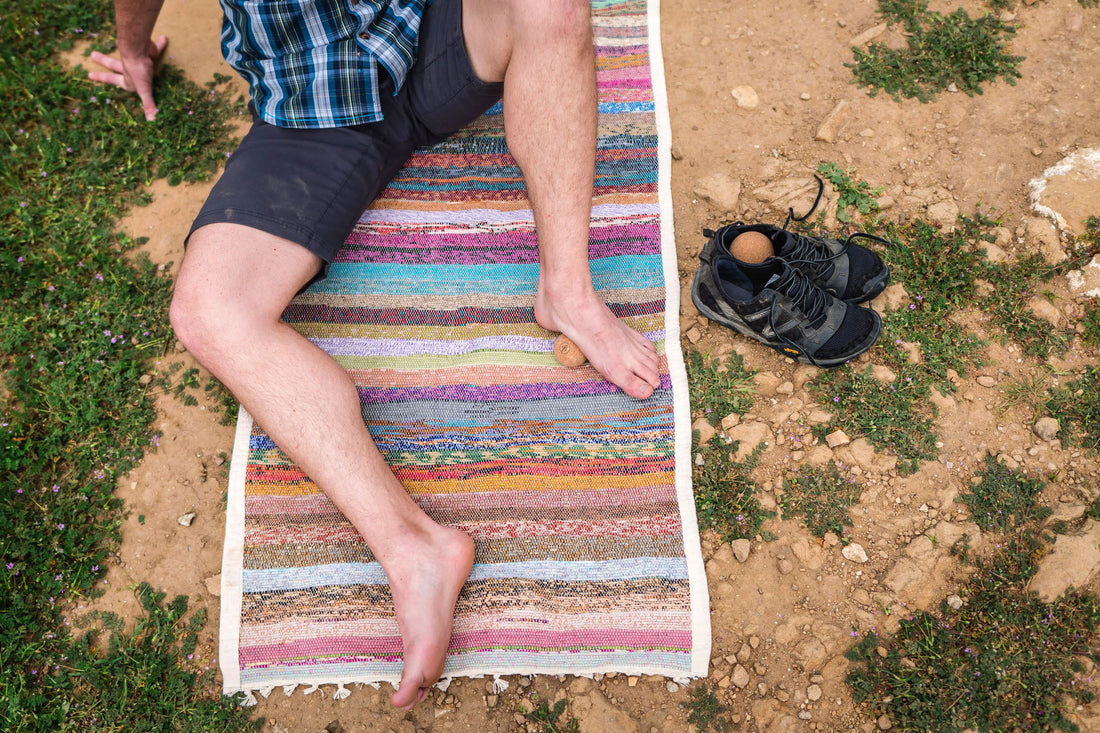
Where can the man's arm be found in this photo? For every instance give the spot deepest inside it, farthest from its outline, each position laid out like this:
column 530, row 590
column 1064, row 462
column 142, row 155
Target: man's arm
column 134, row 20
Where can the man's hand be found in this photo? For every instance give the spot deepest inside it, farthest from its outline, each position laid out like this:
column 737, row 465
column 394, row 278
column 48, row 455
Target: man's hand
column 134, row 73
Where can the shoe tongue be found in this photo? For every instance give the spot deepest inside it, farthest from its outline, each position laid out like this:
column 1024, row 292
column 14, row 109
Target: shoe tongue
column 782, row 241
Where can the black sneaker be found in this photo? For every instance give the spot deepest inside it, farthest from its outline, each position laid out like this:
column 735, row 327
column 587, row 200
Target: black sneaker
column 847, row 270
column 780, row 307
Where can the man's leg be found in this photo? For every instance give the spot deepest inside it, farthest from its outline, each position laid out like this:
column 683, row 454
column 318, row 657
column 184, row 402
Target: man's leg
column 234, row 283
column 543, row 51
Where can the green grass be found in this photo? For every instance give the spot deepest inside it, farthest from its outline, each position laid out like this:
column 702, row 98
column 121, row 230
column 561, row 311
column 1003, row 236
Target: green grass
column 81, row 319
column 549, row 719
column 1004, row 498
column 852, row 193
column 725, row 499
column 1076, row 406
column 719, row 389
column 940, row 50
column 1090, row 322
column 821, row 496
column 1004, row 661
column 705, row 712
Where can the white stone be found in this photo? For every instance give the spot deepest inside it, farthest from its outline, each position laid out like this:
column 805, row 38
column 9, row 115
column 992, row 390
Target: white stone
column 1046, row 428
column 741, row 549
column 746, row 97
column 720, row 189
column 855, row 553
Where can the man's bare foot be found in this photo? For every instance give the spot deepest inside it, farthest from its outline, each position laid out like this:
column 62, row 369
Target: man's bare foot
column 623, row 356
column 425, row 578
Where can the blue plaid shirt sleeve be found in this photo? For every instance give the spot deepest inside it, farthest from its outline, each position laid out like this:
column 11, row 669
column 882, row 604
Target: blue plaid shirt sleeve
column 315, row 63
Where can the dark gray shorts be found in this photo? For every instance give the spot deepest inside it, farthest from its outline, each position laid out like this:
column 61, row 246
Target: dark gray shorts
column 310, row 186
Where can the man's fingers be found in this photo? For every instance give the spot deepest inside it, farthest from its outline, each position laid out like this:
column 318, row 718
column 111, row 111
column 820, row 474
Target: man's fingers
column 148, row 104
column 104, row 60
column 107, row 77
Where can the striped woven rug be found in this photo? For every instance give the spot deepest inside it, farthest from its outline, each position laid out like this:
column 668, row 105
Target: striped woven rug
column 578, row 497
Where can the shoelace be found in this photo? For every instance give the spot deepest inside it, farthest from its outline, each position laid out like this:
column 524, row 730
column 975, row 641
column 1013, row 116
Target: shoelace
column 812, row 250
column 807, row 297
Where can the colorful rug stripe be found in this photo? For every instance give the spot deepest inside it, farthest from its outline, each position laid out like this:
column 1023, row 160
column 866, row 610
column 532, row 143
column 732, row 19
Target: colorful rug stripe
column 578, row 497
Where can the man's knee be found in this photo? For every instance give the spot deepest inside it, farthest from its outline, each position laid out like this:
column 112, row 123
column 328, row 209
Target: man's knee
column 560, row 22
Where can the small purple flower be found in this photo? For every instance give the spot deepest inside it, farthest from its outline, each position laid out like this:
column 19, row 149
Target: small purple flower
column 60, row 525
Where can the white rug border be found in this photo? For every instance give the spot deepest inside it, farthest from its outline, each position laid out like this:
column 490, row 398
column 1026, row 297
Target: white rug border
column 681, row 396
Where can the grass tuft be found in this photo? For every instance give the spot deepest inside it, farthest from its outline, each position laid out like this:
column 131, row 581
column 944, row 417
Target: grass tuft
column 725, row 492
column 852, row 193
column 941, row 50
column 1004, row 498
column 1076, row 407
column 719, row 389
column 821, row 496
column 705, row 712
column 1004, row 661
column 548, row 719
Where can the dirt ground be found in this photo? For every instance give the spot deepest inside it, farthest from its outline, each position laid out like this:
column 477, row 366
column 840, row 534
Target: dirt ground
column 785, row 614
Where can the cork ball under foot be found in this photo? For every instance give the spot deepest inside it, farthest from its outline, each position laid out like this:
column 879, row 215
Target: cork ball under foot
column 567, row 353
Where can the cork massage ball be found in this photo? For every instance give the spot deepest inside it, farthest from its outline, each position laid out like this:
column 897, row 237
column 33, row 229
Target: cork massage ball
column 751, row 247
column 566, row 352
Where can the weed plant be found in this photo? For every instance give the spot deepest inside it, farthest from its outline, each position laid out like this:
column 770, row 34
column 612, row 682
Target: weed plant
column 719, row 389
column 705, row 712
column 1090, row 322
column 1076, row 406
column 81, row 318
column 852, row 193
column 1004, row 661
column 941, row 50
column 725, row 498
column 547, row 719
column 1004, row 498
column 821, row 496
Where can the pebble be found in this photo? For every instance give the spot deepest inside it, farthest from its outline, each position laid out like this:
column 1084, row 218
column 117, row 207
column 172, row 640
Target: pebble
column 831, row 126
column 869, row 34
column 813, row 693
column 987, row 381
column 186, row 519
column 1046, row 428
column 805, row 96
column 746, row 97
column 855, row 553
column 955, row 601
column 740, row 676
column 785, row 566
column 741, row 548
column 672, row 686
column 837, row 438
column 884, row 723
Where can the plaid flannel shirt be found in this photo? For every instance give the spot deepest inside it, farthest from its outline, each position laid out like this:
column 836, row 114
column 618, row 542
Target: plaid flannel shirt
column 315, row 63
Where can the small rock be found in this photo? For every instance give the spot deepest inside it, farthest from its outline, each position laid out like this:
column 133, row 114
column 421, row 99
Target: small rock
column 813, row 693
column 720, row 189
column 805, row 96
column 746, row 97
column 491, row 701
column 883, row 373
column 740, row 676
column 741, row 548
column 706, row 430
column 785, row 566
column 145, row 379
column 1085, row 283
column 869, row 34
column 749, row 435
column 731, row 420
column 186, row 519
column 855, row 553
column 1044, row 309
column 884, row 723
column 837, row 438
column 672, row 686
column 214, row 585
column 987, row 381
column 1072, row 562
column 693, row 335
column 831, row 126
column 955, row 601
column 785, row 388
column 1046, row 428
column 334, row 727
column 945, row 214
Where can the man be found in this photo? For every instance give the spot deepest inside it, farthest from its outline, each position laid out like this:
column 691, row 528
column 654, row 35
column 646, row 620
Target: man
column 339, row 104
